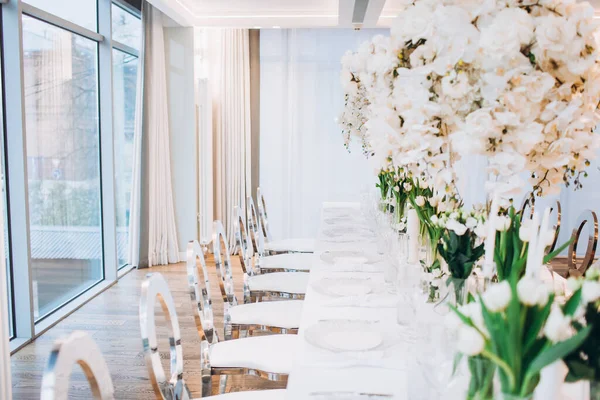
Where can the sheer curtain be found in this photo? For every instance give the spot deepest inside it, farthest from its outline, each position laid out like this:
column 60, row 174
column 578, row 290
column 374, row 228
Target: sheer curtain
column 302, row 158
column 152, row 128
column 223, row 58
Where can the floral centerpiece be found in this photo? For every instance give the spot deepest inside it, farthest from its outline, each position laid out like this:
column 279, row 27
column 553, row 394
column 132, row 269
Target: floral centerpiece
column 519, row 327
column 460, row 246
column 584, row 362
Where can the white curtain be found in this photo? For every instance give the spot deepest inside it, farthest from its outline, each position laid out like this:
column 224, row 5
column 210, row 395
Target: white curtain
column 133, row 253
column 302, row 158
column 228, row 65
column 152, row 125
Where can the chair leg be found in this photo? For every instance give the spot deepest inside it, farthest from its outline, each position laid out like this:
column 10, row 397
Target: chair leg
column 206, row 385
column 222, row 384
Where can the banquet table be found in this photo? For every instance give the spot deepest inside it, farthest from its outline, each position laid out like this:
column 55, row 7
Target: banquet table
column 390, row 373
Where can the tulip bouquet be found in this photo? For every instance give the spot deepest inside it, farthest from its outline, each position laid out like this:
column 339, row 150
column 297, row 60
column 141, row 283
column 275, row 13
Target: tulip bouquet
column 460, row 245
column 517, row 325
column 584, row 362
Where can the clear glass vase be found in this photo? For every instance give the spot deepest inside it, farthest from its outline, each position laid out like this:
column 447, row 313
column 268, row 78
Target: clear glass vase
column 458, row 291
column 481, row 384
column 594, row 390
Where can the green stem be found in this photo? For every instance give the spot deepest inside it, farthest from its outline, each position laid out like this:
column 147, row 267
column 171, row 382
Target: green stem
column 500, row 363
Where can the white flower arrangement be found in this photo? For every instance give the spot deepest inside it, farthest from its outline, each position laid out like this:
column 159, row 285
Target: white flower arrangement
column 520, row 328
column 454, row 80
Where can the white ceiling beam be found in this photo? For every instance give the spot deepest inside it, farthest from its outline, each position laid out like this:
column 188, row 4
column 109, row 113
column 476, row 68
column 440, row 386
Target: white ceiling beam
column 345, row 12
column 373, row 13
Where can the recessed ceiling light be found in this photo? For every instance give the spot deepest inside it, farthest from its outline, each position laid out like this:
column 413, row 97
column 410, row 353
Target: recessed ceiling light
column 276, row 27
column 256, row 27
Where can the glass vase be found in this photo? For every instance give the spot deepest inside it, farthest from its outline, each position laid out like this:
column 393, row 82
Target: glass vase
column 481, row 384
column 594, row 390
column 459, row 291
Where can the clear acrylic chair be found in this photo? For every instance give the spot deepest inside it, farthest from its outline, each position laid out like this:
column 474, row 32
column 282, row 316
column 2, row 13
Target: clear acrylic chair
column 294, row 245
column 251, row 239
column 267, row 356
column 77, row 348
column 279, row 285
column 239, row 320
column 576, row 268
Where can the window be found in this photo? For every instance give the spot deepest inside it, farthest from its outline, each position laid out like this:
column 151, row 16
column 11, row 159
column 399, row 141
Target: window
column 80, row 12
column 126, row 28
column 4, row 210
column 124, row 97
column 63, row 163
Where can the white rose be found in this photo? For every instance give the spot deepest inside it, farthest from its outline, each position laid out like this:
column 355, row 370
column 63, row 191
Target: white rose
column 497, row 296
column 554, row 33
column 456, row 226
column 414, row 23
column 558, row 326
column 470, row 342
column 471, row 222
column 590, row 291
column 420, row 201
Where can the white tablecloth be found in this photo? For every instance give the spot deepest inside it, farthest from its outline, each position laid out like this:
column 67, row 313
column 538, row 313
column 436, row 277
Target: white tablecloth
column 317, row 370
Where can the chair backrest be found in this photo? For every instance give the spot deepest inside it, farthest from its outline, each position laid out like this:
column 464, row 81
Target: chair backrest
column 200, row 293
column 155, row 288
column 254, row 226
column 589, row 218
column 262, row 213
column 555, row 210
column 223, row 264
column 77, row 348
column 527, row 207
column 244, row 244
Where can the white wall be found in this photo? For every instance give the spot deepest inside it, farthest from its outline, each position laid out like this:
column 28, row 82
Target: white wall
column 179, row 51
column 303, row 161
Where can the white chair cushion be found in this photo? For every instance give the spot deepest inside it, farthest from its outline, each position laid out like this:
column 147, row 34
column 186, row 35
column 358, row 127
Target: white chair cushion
column 276, row 394
column 269, row 353
column 281, row 314
column 289, row 282
column 298, row 261
column 297, row 245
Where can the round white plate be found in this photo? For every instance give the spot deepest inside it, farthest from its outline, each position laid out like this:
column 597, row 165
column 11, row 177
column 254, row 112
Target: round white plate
column 342, row 287
column 345, row 335
column 332, row 257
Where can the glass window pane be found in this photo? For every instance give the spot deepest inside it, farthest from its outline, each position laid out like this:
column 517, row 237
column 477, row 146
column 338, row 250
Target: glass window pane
column 126, row 28
column 124, row 96
column 80, row 12
column 4, row 210
column 63, row 160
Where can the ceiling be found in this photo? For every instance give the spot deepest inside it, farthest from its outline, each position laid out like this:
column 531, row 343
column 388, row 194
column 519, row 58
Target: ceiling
column 268, row 14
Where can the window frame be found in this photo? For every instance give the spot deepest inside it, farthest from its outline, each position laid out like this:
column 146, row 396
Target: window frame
column 25, row 327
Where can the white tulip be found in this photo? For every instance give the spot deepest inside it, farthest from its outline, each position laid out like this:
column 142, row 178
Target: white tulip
column 590, row 291
column 470, row 342
column 407, row 186
column 420, row 201
column 456, row 226
column 471, row 222
column 558, row 326
column 433, row 201
column 526, row 231
column 502, row 223
column 574, row 284
column 497, row 296
column 532, row 292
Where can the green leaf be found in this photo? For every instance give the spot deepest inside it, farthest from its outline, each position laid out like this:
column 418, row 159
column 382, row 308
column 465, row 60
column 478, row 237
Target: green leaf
column 573, row 303
column 536, row 323
column 550, row 256
column 556, row 352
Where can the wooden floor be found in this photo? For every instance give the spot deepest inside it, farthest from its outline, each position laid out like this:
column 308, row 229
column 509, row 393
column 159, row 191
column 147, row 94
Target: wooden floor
column 112, row 321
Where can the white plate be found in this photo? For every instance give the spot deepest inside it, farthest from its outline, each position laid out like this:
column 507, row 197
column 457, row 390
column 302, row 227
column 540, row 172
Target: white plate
column 342, row 287
column 332, row 257
column 348, row 231
column 346, row 335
